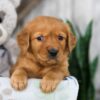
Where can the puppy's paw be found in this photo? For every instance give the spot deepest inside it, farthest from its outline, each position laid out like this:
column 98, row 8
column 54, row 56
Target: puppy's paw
column 48, row 85
column 19, row 82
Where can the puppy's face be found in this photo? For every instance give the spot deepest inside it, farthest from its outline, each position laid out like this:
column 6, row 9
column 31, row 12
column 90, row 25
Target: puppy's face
column 49, row 40
column 49, row 46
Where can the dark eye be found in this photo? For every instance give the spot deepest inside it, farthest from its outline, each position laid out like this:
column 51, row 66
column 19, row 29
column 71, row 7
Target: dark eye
column 40, row 38
column 60, row 37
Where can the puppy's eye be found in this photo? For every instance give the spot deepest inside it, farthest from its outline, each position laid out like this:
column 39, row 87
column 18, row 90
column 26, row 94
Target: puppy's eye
column 60, row 37
column 40, row 38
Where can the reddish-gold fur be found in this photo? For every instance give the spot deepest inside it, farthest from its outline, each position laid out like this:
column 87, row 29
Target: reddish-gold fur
column 33, row 60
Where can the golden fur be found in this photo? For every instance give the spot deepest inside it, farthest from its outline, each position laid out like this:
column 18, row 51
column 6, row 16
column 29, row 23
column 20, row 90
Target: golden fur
column 33, row 60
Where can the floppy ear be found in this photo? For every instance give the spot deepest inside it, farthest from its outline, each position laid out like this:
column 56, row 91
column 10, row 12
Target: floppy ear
column 71, row 39
column 23, row 41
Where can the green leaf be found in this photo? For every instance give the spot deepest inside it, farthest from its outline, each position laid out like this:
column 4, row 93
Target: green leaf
column 76, row 71
column 93, row 67
column 82, row 52
column 91, row 92
column 88, row 32
column 74, row 66
column 80, row 67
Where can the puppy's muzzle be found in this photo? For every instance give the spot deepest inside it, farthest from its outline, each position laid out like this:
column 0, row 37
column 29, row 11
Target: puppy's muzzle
column 53, row 52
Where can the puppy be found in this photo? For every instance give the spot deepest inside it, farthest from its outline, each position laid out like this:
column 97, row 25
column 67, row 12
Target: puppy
column 45, row 44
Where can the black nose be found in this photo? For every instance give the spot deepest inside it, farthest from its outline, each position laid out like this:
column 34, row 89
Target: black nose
column 53, row 52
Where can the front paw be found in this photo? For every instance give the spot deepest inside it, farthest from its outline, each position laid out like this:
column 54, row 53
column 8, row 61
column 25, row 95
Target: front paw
column 18, row 82
column 49, row 85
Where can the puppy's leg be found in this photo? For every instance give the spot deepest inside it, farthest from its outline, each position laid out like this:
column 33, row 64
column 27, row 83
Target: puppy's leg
column 51, row 80
column 19, row 79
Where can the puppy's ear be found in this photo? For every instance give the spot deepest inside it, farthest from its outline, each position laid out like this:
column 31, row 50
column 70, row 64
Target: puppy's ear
column 23, row 41
column 71, row 39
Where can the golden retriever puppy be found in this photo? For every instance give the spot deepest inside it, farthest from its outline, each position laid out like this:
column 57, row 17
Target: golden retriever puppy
column 45, row 44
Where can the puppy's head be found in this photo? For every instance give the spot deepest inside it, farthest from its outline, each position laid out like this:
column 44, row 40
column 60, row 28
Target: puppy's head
column 48, row 39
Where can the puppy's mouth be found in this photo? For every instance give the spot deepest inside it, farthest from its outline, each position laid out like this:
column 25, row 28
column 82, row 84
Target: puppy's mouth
column 52, row 60
column 47, row 60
